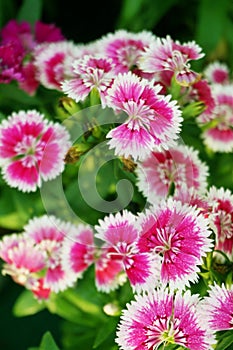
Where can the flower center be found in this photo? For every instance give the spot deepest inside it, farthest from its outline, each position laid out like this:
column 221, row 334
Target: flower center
column 30, row 149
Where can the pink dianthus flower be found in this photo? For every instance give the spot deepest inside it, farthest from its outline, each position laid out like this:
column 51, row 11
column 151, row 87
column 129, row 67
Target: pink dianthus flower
column 125, row 48
column 178, row 166
column 54, row 62
column 48, row 234
column 152, row 119
column 179, row 233
column 80, row 251
column 220, row 203
column 165, row 54
column 31, row 149
column 217, row 308
column 217, row 73
column 160, row 318
column 217, row 124
column 120, row 233
column 91, row 72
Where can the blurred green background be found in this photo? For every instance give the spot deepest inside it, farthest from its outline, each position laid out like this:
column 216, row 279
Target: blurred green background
column 208, row 22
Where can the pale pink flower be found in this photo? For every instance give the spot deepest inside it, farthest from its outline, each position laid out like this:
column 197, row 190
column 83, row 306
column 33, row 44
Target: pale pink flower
column 31, row 149
column 125, row 48
column 54, row 62
column 217, row 308
column 25, row 263
column 23, row 260
column 120, row 233
column 220, row 202
column 167, row 54
column 91, row 72
column 217, row 125
column 192, row 197
column 178, row 166
column 48, row 234
column 152, row 119
column 217, row 73
column 160, row 318
column 180, row 235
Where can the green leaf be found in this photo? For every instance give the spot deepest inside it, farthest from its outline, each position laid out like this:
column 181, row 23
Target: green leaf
column 30, row 11
column 11, row 92
column 83, row 303
column 143, row 14
column 7, row 11
column 225, row 339
column 11, row 221
column 48, row 343
column 105, row 331
column 58, row 305
column 27, row 305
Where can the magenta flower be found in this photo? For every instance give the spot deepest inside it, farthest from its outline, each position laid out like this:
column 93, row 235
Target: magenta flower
column 221, row 218
column 217, row 125
column 91, row 72
column 48, row 33
column 153, row 120
column 18, row 43
column 178, row 166
column 201, row 91
column 29, row 82
column 124, row 48
column 179, row 234
column 217, row 73
column 31, row 149
column 120, row 233
column 18, row 33
column 160, row 318
column 22, row 34
column 167, row 54
column 10, row 63
column 217, row 308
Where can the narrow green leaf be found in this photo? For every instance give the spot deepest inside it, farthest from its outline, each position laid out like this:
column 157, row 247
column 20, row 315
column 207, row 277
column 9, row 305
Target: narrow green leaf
column 30, row 11
column 27, row 305
column 143, row 14
column 48, row 343
column 225, row 339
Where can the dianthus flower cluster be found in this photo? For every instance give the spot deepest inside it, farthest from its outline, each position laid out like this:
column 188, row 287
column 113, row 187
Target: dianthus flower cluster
column 183, row 232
